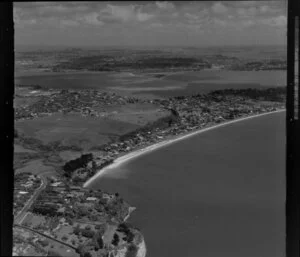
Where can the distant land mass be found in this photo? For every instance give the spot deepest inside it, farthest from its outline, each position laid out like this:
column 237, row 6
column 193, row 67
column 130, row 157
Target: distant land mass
column 32, row 47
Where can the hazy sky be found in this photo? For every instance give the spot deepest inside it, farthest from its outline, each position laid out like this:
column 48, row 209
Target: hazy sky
column 195, row 23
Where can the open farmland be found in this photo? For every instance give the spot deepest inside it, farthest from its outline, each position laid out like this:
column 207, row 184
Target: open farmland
column 137, row 114
column 74, row 129
column 35, row 167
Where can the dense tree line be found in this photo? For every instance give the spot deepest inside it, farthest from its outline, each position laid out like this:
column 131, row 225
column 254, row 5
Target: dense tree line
column 46, row 210
column 80, row 162
column 276, row 94
column 115, row 240
column 124, row 228
column 161, row 123
column 131, row 251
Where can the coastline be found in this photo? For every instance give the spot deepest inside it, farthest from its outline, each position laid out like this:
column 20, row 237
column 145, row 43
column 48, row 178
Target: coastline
column 142, row 250
column 130, row 210
column 136, row 153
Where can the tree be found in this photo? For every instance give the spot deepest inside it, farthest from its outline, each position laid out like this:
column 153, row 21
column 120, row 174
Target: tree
column 98, row 241
column 115, row 240
column 87, row 254
column 76, row 230
column 131, row 251
column 88, row 233
column 130, row 237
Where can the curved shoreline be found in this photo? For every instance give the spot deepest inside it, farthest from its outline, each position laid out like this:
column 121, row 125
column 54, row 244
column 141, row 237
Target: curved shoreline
column 136, row 153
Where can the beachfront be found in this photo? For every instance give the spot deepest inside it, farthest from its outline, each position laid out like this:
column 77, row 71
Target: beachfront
column 134, row 154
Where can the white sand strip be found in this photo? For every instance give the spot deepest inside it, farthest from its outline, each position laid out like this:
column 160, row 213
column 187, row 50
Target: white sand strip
column 127, row 157
column 142, row 249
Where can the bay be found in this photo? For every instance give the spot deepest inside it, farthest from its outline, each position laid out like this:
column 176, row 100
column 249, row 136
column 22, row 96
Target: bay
column 219, row 193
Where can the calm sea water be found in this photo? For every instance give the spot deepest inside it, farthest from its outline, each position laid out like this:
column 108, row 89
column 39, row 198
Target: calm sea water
column 220, row 193
column 182, row 83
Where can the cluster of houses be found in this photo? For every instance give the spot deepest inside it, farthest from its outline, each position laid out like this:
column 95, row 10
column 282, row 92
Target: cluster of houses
column 194, row 112
column 65, row 101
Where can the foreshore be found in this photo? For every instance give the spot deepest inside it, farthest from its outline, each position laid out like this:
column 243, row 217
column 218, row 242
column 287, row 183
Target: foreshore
column 142, row 250
column 136, row 153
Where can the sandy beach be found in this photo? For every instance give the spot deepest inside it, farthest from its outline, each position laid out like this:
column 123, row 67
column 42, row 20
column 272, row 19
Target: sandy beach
column 134, row 154
column 142, row 249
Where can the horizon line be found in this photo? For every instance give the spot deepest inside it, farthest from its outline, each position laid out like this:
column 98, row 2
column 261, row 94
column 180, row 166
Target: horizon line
column 147, row 46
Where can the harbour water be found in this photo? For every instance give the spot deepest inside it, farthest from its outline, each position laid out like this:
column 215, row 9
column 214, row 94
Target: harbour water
column 176, row 84
column 219, row 193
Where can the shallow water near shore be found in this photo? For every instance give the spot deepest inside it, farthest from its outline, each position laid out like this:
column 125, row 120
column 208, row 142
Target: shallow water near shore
column 174, row 84
column 219, row 193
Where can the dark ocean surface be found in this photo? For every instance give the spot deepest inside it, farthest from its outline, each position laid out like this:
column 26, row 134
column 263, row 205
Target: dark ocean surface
column 220, row 193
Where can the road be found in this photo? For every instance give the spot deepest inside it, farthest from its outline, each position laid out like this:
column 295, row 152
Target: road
column 49, row 237
column 23, row 213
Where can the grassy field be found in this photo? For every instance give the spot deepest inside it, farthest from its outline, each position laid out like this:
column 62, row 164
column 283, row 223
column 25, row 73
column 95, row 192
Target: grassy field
column 35, row 167
column 137, row 114
column 74, row 129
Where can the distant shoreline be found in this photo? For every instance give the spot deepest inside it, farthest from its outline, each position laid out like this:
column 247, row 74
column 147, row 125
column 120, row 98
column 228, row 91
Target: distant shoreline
column 136, row 153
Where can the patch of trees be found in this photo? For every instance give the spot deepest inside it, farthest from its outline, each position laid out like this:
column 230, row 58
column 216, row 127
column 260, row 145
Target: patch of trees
column 115, row 240
column 131, row 251
column 97, row 241
column 45, row 209
column 129, row 236
column 86, row 232
column 80, row 162
column 276, row 94
column 81, row 212
column 117, row 208
column 161, row 123
column 83, row 251
column 100, row 228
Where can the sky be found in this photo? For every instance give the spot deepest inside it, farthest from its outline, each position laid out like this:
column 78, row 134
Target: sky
column 150, row 23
